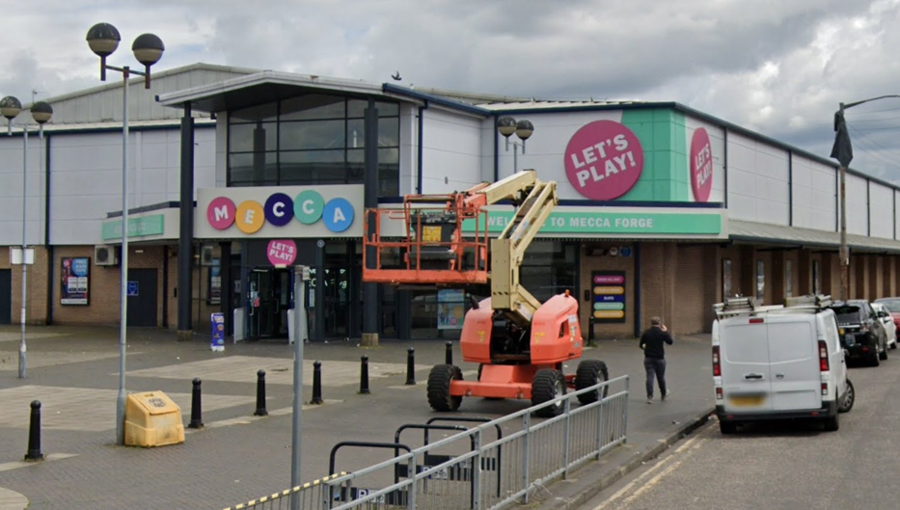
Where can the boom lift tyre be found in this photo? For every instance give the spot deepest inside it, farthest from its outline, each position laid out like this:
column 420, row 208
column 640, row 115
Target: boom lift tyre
column 519, row 343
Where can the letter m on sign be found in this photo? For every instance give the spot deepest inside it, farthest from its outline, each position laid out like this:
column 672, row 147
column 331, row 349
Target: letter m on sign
column 221, row 213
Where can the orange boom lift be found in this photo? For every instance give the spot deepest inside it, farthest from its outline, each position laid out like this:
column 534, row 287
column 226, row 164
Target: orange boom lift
column 520, row 343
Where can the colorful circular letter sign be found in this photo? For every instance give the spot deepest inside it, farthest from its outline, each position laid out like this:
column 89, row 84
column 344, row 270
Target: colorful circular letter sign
column 220, row 213
column 337, row 215
column 279, row 209
column 249, row 217
column 308, row 207
column 281, row 252
column 604, row 160
column 701, row 165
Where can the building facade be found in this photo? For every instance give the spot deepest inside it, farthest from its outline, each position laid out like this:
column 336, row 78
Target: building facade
column 663, row 209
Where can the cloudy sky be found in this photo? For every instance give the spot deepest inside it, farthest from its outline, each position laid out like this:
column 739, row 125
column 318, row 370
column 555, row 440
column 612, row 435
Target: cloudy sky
column 779, row 67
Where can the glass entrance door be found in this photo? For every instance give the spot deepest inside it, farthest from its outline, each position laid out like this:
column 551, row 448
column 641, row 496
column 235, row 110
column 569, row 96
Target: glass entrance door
column 270, row 298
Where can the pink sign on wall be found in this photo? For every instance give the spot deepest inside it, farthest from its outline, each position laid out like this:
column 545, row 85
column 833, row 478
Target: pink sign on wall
column 281, row 252
column 220, row 213
column 604, row 160
column 701, row 165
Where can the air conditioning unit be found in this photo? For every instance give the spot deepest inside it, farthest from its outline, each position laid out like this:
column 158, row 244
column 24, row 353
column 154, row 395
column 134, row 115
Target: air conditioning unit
column 206, row 255
column 105, row 255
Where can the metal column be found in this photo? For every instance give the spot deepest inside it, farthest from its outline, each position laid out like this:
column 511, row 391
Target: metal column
column 370, row 290
column 186, row 234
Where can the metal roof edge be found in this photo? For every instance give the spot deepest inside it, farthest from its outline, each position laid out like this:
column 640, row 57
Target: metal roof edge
column 432, row 99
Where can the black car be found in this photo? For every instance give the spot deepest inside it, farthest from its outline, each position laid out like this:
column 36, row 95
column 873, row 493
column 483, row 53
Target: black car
column 862, row 334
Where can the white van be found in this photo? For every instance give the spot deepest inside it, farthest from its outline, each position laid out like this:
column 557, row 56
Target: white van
column 778, row 362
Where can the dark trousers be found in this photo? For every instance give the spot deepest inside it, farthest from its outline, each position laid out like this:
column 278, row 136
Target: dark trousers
column 656, row 368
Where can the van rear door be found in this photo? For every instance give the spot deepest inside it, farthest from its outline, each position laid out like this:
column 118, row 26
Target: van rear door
column 745, row 365
column 794, row 360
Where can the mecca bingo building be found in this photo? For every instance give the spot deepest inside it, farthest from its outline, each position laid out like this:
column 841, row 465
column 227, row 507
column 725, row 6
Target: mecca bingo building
column 663, row 209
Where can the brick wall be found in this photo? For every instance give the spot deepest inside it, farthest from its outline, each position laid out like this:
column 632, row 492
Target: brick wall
column 697, row 277
column 36, row 287
column 103, row 291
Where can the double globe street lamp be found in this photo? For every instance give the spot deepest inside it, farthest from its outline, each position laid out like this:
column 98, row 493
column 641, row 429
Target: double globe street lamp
column 103, row 40
column 41, row 112
column 507, row 126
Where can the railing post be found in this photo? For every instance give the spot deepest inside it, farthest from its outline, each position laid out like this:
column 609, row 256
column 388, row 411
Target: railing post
column 261, row 394
column 448, row 353
column 526, row 462
column 625, row 416
column 476, row 472
column 568, row 437
column 34, row 433
column 364, row 375
column 411, row 491
column 600, row 423
column 411, row 366
column 317, row 384
column 196, row 410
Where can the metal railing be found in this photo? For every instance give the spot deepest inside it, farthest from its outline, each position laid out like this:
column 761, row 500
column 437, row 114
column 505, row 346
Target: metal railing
column 487, row 467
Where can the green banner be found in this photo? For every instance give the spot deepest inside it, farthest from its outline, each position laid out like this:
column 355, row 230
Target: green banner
column 588, row 222
column 137, row 227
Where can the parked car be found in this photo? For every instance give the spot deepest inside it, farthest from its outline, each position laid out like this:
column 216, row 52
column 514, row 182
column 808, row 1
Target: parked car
column 863, row 334
column 778, row 362
column 893, row 306
column 890, row 327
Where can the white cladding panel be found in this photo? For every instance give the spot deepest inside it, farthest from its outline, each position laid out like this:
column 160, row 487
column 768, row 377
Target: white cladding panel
column 451, row 151
column 757, row 181
column 814, row 194
column 409, row 147
column 896, row 215
column 717, row 140
column 86, row 177
column 12, row 169
column 881, row 201
column 857, row 208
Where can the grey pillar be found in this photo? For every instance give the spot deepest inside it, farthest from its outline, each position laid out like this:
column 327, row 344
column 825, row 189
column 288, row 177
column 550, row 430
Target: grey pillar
column 319, row 309
column 186, row 235
column 404, row 315
column 225, row 289
column 370, row 290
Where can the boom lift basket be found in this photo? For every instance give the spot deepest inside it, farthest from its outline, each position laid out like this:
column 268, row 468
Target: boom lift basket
column 430, row 245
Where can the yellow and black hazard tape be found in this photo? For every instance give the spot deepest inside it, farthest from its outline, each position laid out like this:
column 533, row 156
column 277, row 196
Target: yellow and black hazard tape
column 285, row 493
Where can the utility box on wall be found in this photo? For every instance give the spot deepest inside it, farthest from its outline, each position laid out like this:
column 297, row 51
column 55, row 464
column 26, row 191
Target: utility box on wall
column 152, row 419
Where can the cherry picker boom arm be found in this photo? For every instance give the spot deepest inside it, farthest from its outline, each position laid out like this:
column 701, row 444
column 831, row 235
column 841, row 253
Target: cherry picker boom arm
column 535, row 200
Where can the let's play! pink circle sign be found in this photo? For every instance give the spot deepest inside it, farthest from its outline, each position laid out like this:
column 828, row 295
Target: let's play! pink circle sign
column 701, row 165
column 281, row 252
column 604, row 160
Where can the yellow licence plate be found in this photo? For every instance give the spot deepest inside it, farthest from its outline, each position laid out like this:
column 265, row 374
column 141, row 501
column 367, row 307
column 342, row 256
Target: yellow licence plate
column 746, row 401
column 431, row 234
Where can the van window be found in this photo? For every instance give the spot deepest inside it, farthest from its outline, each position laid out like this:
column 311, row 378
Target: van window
column 848, row 314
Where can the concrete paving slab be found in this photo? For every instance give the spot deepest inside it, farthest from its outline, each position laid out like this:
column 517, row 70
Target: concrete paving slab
column 10, row 361
column 83, row 409
column 11, row 500
column 278, row 370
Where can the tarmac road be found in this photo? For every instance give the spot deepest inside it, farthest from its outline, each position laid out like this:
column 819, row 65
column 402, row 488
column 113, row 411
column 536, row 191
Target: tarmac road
column 781, row 465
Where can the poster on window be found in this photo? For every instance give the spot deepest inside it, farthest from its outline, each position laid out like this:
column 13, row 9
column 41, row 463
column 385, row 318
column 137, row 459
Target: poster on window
column 76, row 275
column 215, row 282
column 608, row 297
column 451, row 308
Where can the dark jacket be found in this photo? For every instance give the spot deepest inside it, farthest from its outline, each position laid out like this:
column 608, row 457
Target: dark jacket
column 652, row 342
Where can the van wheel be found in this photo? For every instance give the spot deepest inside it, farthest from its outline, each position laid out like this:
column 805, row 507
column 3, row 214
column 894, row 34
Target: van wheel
column 831, row 424
column 849, row 398
column 883, row 355
column 876, row 360
column 727, row 427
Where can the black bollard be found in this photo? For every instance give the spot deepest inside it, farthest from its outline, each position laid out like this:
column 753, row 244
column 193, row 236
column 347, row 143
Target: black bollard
column 448, row 354
column 410, row 366
column 196, row 412
column 261, row 394
column 34, row 433
column 317, row 384
column 364, row 376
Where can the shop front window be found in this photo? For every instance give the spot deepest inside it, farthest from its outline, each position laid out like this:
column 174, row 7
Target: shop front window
column 311, row 140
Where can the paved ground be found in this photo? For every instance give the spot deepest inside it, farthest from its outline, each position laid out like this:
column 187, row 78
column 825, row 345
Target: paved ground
column 237, row 457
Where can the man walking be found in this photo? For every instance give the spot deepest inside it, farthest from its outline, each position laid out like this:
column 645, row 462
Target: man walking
column 652, row 342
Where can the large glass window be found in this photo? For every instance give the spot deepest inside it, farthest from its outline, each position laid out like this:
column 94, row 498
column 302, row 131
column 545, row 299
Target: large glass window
column 309, row 140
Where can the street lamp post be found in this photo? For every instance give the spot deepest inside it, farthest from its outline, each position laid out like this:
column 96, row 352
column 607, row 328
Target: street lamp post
column 41, row 112
column 506, row 126
column 103, row 40
column 843, row 152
